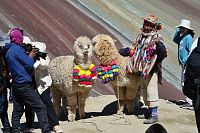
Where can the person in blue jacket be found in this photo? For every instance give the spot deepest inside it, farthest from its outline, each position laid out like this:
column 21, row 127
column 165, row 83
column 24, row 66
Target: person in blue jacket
column 21, row 67
column 183, row 37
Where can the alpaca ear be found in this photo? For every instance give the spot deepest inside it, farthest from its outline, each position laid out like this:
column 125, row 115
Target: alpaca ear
column 93, row 43
column 115, row 40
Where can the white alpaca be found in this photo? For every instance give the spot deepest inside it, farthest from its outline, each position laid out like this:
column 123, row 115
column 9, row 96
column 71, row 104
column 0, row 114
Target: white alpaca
column 61, row 70
column 126, row 85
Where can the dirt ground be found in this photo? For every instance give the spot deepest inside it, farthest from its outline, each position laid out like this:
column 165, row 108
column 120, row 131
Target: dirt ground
column 100, row 112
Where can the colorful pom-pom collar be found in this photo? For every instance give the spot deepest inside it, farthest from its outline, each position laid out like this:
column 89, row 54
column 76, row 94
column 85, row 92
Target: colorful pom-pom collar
column 108, row 73
column 84, row 77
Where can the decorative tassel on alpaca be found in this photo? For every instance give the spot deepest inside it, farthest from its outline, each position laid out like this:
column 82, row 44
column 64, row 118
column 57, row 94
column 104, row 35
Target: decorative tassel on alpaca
column 84, row 77
column 108, row 73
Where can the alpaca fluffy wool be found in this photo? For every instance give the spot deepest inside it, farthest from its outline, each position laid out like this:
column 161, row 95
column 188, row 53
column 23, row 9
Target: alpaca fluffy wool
column 126, row 84
column 63, row 86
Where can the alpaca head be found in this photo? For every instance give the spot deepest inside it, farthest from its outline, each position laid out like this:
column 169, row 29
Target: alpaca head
column 104, row 47
column 103, row 42
column 106, row 51
column 83, row 45
column 83, row 49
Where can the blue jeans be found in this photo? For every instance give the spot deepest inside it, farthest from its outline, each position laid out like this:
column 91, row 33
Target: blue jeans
column 3, row 111
column 24, row 93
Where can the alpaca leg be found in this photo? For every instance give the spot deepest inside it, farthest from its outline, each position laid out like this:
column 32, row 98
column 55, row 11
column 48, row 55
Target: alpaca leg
column 121, row 100
column 56, row 95
column 119, row 93
column 129, row 100
column 131, row 93
column 120, row 107
column 64, row 102
column 71, row 113
column 130, row 107
column 72, row 104
column 83, row 97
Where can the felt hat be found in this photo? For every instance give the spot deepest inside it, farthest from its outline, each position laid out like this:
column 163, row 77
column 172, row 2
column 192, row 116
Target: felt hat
column 185, row 23
column 151, row 18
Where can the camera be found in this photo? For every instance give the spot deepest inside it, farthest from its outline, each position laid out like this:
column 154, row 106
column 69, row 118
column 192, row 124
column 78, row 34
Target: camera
column 28, row 48
column 40, row 54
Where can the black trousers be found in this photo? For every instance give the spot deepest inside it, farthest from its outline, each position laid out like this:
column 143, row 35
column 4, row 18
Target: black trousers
column 22, row 94
column 197, row 114
column 3, row 111
column 29, row 115
column 51, row 114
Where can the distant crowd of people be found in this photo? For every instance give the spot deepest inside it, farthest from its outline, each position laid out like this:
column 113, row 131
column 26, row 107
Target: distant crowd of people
column 27, row 74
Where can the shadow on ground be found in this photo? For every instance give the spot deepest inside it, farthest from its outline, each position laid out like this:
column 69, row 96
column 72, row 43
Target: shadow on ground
column 108, row 110
column 36, row 125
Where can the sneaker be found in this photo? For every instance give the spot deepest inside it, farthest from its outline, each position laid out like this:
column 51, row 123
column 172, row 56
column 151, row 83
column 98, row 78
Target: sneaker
column 57, row 129
column 186, row 106
column 151, row 120
column 144, row 116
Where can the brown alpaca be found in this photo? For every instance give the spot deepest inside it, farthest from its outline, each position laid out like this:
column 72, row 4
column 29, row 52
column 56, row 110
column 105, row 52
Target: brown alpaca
column 126, row 85
column 63, row 87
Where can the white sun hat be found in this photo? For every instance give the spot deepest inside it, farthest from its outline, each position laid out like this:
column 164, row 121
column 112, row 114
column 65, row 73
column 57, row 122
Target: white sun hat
column 26, row 40
column 185, row 23
column 40, row 45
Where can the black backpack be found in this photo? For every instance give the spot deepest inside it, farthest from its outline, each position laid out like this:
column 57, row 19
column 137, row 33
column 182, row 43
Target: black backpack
column 192, row 73
column 1, row 68
column 4, row 74
column 161, row 51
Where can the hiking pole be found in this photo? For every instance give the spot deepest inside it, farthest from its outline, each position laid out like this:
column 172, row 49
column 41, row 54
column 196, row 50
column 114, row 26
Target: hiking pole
column 197, row 103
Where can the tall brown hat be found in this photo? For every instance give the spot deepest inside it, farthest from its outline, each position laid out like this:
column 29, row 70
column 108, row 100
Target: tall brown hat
column 151, row 18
